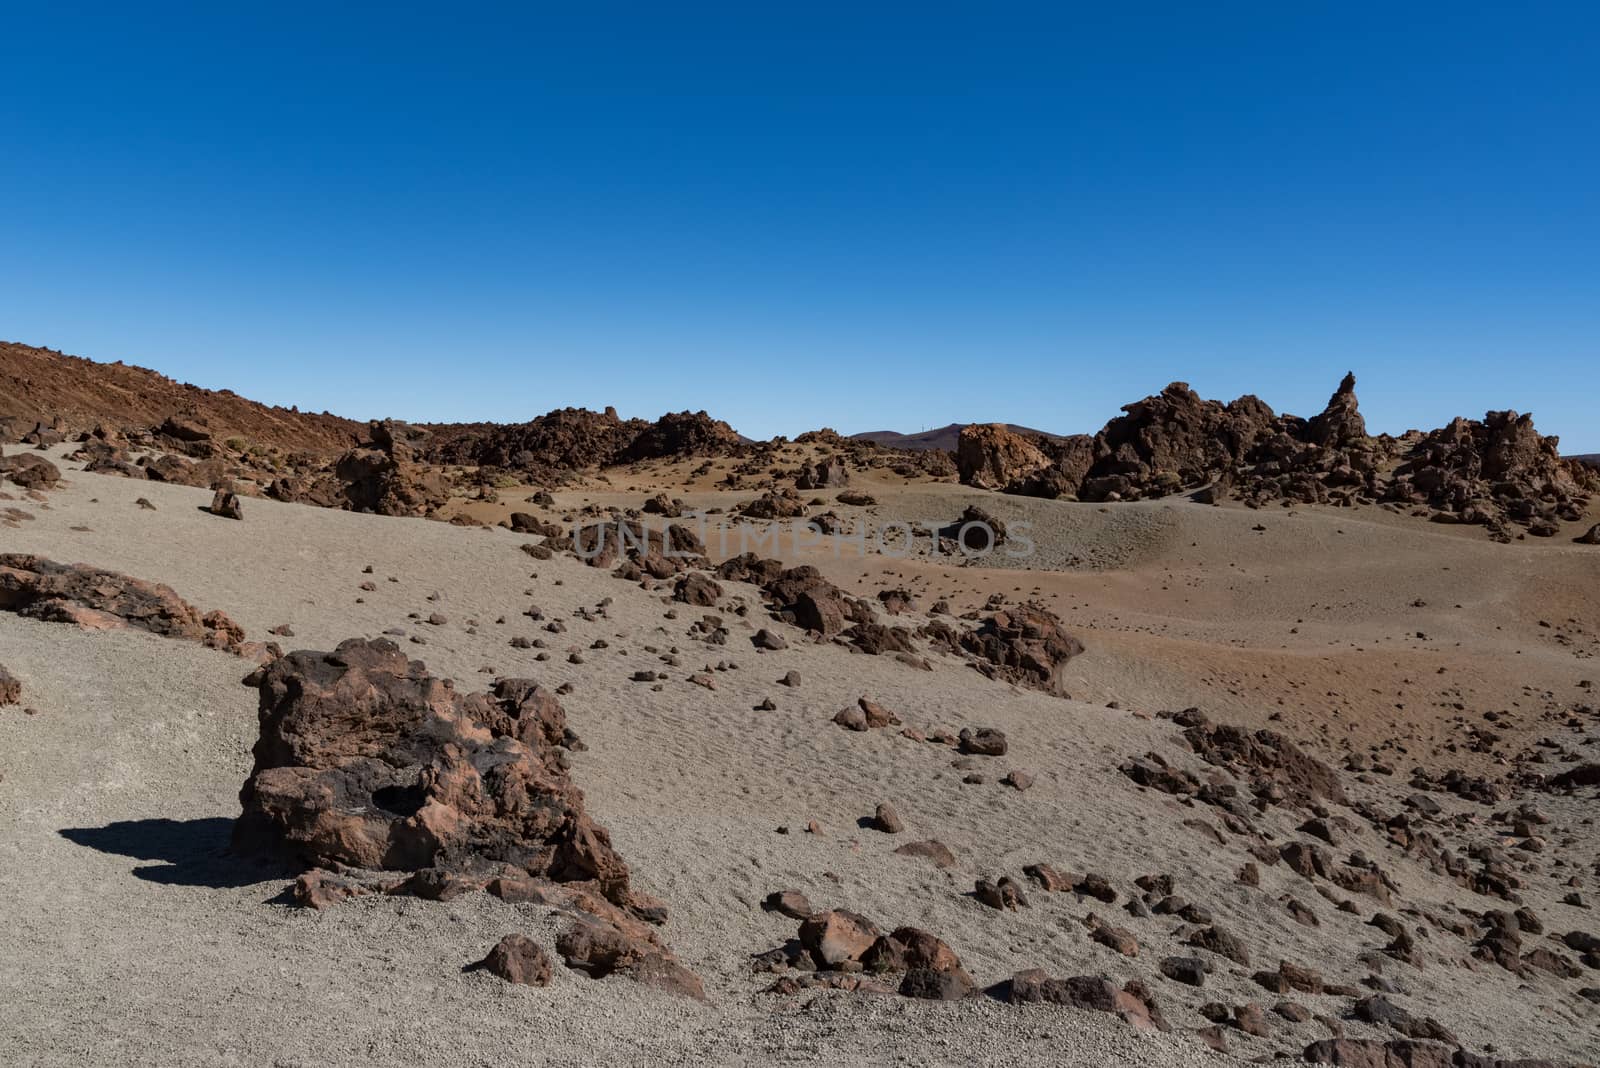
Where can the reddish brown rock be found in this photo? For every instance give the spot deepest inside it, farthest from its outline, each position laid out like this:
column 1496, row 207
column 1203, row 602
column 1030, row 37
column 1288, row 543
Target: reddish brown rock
column 886, row 819
column 989, row 456
column 1133, row 1002
column 225, row 503
column 1050, row 879
column 384, row 476
column 1118, row 939
column 930, row 849
column 1221, row 942
column 934, row 985
column 366, row 760
column 1375, row 1053
column 791, row 903
column 1003, row 895
column 96, row 599
column 1025, row 645
column 837, row 936
column 518, row 959
column 824, row 474
column 643, row 547
column 801, row 596
column 10, row 687
column 985, row 741
column 697, row 589
column 30, row 471
column 876, row 715
column 601, row 949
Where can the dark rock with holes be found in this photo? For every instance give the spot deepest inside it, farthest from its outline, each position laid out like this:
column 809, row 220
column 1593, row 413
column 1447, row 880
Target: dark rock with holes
column 367, row 761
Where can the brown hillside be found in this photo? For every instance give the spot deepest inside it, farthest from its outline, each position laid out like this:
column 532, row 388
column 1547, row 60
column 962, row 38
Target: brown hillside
column 43, row 384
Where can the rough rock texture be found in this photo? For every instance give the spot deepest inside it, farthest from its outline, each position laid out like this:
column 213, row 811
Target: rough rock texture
column 225, row 503
column 573, row 439
column 96, row 599
column 836, row 945
column 639, row 548
column 518, row 959
column 30, row 471
column 366, row 760
column 991, row 457
column 1132, row 1002
column 1498, row 472
column 679, row 434
column 824, row 474
column 1026, row 645
column 384, row 476
column 1340, row 424
column 1269, row 760
column 10, row 687
column 603, row 949
column 801, row 596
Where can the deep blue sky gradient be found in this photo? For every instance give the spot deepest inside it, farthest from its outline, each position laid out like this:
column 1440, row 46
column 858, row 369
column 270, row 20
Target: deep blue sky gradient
column 866, row 216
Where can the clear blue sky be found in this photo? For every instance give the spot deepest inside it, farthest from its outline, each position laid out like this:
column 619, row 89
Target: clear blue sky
column 866, row 216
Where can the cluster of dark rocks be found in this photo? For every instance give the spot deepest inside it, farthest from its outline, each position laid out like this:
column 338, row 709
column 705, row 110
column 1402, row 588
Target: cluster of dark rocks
column 551, row 446
column 1499, row 472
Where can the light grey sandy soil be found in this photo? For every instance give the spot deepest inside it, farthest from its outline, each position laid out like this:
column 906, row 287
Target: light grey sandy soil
column 131, row 935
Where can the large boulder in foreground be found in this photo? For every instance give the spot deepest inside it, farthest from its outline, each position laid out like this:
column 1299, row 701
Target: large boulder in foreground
column 367, row 760
column 96, row 599
column 1026, row 645
column 369, row 765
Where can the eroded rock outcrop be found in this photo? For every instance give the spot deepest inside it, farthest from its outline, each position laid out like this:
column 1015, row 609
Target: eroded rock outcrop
column 1498, row 472
column 368, row 763
column 991, row 457
column 384, row 476
column 1274, row 765
column 1026, row 645
column 96, row 599
column 366, row 760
